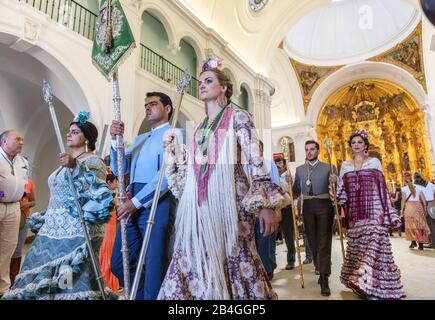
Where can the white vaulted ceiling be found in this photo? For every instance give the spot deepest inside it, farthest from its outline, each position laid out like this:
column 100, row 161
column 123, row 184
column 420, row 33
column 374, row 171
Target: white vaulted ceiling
column 348, row 31
column 254, row 37
column 315, row 32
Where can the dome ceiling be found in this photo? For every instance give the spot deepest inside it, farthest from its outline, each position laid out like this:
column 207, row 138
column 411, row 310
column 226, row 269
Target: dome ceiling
column 348, row 31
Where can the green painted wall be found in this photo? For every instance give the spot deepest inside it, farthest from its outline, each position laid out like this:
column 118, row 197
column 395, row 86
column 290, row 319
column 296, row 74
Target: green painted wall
column 91, row 5
column 154, row 36
column 243, row 99
column 186, row 58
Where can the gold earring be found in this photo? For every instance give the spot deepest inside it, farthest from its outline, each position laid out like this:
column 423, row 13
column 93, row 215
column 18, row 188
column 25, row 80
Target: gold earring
column 86, row 146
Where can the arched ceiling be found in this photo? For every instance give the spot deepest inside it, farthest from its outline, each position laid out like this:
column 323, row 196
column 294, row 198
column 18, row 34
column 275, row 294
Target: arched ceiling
column 254, row 37
column 22, row 106
column 349, row 31
column 35, row 65
column 251, row 36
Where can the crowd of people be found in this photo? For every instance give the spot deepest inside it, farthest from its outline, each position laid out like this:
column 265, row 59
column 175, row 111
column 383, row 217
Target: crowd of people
column 217, row 217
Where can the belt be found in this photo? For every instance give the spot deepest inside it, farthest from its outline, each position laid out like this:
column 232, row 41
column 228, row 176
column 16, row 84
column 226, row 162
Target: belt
column 323, row 196
column 6, row 203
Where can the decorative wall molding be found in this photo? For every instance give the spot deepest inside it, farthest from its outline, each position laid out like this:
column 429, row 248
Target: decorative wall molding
column 31, row 30
column 212, row 37
column 408, row 55
column 174, row 48
column 310, row 77
column 136, row 4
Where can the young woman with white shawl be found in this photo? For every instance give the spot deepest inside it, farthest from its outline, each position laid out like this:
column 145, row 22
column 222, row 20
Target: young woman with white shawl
column 214, row 252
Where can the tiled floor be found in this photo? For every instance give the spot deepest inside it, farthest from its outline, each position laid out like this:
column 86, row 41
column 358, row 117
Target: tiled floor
column 417, row 268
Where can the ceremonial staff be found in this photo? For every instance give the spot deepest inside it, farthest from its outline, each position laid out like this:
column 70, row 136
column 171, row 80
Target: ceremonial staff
column 184, row 81
column 285, row 143
column 102, row 140
column 328, row 145
column 112, row 44
column 120, row 156
column 48, row 98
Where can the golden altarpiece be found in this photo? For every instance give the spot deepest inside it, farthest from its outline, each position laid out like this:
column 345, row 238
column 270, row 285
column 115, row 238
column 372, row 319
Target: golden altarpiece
column 390, row 114
column 394, row 120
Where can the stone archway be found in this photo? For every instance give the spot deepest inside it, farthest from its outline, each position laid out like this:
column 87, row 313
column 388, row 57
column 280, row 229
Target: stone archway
column 22, row 107
column 390, row 114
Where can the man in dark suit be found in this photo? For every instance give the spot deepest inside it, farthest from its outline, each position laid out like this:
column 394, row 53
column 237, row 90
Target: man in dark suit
column 312, row 181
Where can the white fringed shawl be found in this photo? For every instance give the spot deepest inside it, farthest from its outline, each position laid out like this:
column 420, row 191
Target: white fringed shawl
column 207, row 234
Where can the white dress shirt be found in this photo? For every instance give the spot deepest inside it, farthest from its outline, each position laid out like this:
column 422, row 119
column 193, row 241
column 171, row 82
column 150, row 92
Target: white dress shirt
column 429, row 192
column 13, row 176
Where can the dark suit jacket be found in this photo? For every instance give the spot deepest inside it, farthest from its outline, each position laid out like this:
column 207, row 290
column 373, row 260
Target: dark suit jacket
column 319, row 179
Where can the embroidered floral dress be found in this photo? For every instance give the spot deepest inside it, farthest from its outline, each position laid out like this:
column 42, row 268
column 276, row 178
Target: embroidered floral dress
column 215, row 256
column 368, row 268
column 58, row 265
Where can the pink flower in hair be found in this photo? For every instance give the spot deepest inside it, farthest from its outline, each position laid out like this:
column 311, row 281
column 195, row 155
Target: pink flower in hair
column 211, row 63
column 363, row 133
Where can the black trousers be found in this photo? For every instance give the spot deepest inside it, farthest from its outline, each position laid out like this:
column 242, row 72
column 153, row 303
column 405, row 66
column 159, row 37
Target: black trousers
column 431, row 225
column 318, row 216
column 287, row 229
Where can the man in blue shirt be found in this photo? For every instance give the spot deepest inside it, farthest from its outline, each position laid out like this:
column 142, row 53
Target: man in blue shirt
column 143, row 162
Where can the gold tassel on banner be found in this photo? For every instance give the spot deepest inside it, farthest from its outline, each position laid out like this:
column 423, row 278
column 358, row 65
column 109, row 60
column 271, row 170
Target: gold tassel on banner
column 109, row 30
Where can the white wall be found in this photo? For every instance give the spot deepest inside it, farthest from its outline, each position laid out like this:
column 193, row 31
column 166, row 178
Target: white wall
column 22, row 109
column 64, row 58
column 33, row 48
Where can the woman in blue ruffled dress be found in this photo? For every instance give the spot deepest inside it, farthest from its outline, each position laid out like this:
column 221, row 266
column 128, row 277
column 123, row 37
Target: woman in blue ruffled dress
column 58, row 265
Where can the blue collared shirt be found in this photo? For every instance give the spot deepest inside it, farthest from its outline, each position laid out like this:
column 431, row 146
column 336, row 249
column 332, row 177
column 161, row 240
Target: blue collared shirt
column 143, row 161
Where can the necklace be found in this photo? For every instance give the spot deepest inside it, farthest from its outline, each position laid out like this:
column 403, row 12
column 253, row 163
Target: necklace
column 80, row 154
column 311, row 168
column 207, row 130
column 205, row 135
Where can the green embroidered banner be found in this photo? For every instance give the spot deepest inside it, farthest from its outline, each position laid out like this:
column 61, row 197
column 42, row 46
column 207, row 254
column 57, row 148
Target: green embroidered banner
column 113, row 38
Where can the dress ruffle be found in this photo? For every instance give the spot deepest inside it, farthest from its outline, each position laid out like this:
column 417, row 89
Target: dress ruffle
column 392, row 219
column 95, row 197
column 47, row 279
column 416, row 228
column 36, row 220
column 58, row 264
column 265, row 194
column 369, row 268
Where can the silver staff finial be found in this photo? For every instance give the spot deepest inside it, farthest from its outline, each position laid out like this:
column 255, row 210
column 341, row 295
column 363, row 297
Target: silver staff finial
column 184, row 81
column 46, row 92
